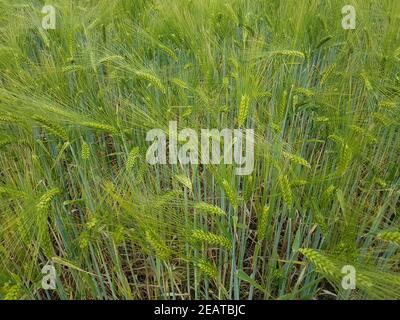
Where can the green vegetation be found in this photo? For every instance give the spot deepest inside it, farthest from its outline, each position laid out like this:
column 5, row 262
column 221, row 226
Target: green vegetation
column 75, row 188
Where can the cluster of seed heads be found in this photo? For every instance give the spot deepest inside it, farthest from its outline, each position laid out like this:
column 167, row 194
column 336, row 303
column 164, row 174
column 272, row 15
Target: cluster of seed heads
column 185, row 181
column 262, row 224
column 163, row 200
column 320, row 221
column 231, row 194
column 286, row 190
column 382, row 118
column 282, row 105
column 321, row 263
column 46, row 198
column 206, row 267
column 12, row 292
column 345, row 153
column 289, row 53
column 304, row 91
column 8, row 119
column 169, row 52
column 6, row 141
column 345, row 159
column 387, row 104
column 209, row 208
column 52, row 127
column 180, row 83
column 389, row 236
column 296, row 159
column 156, row 82
column 367, row 83
column 327, row 73
column 161, row 250
column 99, row 126
column 243, row 110
column 364, row 133
column 211, row 238
column 85, row 152
column 131, row 160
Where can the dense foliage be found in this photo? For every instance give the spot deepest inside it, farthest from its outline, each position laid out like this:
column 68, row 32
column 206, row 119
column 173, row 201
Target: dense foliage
column 76, row 190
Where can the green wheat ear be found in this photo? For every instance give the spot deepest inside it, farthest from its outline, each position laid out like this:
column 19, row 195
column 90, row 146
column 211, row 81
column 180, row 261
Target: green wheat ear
column 345, row 159
column 85, row 152
column 12, row 292
column 364, row 133
column 46, row 198
column 304, row 91
column 12, row 193
column 327, row 73
column 296, row 159
column 320, row 221
column 211, row 238
column 264, row 94
column 156, row 82
column 286, row 190
column 99, row 126
column 52, row 127
column 327, row 194
column 367, row 83
column 262, row 224
column 321, row 263
column 283, row 105
column 185, row 181
column 345, row 153
column 8, row 118
column 386, row 104
column 231, row 194
column 206, row 267
column 6, row 141
column 164, row 200
column 389, row 236
column 168, row 51
column 243, row 110
column 209, row 208
column 180, row 83
column 384, row 119
column 161, row 250
column 131, row 160
column 379, row 181
column 289, row 53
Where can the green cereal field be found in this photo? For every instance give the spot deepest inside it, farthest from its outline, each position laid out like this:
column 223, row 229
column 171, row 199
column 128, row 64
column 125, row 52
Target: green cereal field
column 199, row 149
